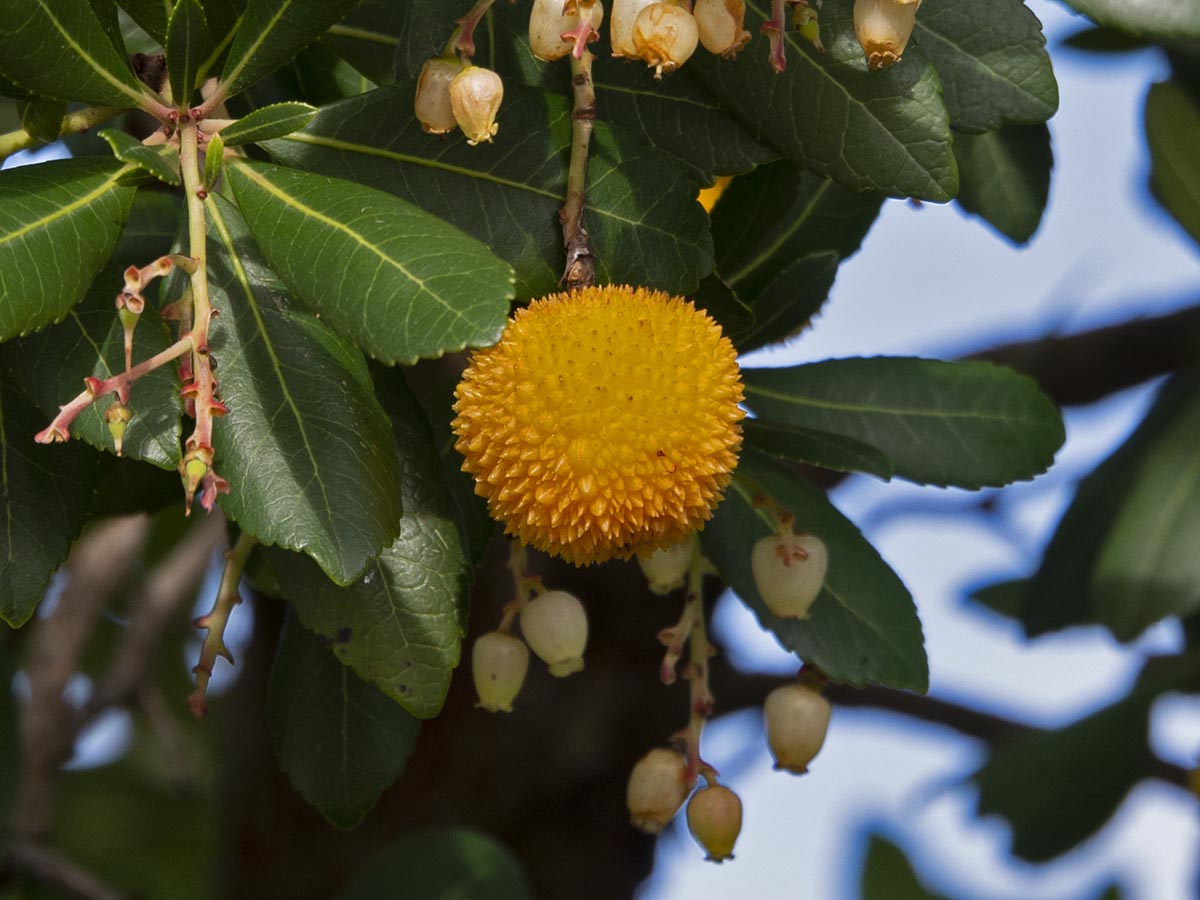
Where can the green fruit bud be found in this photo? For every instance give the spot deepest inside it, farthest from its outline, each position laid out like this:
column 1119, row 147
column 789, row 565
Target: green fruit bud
column 499, row 662
column 714, row 817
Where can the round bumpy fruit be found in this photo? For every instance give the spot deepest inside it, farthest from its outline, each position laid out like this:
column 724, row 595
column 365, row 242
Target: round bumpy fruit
column 714, row 817
column 788, row 571
column 555, row 627
column 657, row 788
column 604, row 423
column 797, row 718
column 499, row 662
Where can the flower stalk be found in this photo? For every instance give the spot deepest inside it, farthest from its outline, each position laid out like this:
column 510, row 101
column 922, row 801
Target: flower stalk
column 217, row 620
column 580, row 269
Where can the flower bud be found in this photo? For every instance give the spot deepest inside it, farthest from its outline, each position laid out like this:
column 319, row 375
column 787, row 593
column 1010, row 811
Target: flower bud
column 432, row 104
column 797, row 718
column 556, row 27
column 719, row 23
column 555, row 627
column 665, row 36
column 117, row 417
column 789, row 570
column 499, row 662
column 883, row 28
column 667, row 569
column 657, row 788
column 475, row 95
column 620, row 25
column 714, row 817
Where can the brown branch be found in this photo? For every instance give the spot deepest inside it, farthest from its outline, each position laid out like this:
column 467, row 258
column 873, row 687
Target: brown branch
column 44, row 865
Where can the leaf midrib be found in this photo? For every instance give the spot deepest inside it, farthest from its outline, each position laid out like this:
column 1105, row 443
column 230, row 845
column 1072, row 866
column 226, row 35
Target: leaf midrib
column 60, row 212
column 248, row 56
column 800, row 220
column 978, row 63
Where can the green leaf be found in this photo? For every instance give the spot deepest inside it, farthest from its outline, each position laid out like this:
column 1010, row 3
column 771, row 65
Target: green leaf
column 642, row 213
column 394, row 279
column 991, row 58
column 368, row 36
column 816, row 448
column 1005, row 598
column 150, row 229
column 272, row 32
column 1148, row 567
column 1059, row 593
column 306, row 447
column 162, row 161
column 59, row 221
column 188, row 46
column 1057, row 788
column 44, row 495
column 42, row 119
column 60, row 49
column 1173, row 133
column 1095, row 39
column 425, row 27
column 731, row 313
column 151, row 15
column 268, row 122
column 1004, row 177
column 883, row 131
column 888, row 875
column 214, row 160
column 446, row 863
column 1153, row 18
column 863, row 627
column 322, row 77
column 966, row 424
column 784, row 306
column 339, row 740
column 400, row 625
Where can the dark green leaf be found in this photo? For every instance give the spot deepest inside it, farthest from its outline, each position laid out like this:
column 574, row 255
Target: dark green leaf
column 59, row 221
column 1060, row 591
column 42, row 119
column 306, row 447
column 224, row 18
column 272, row 32
column 991, row 58
column 425, row 27
column 340, row 741
column 322, row 77
column 642, row 214
column 60, row 49
column 188, row 46
column 1148, row 567
column 783, row 306
column 268, row 122
column 368, row 36
column 446, row 863
column 151, row 15
column 778, row 213
column 400, row 625
column 816, row 448
column 888, row 875
column 863, row 627
column 162, row 161
column 44, row 494
column 151, row 228
column 884, row 131
column 399, row 282
column 967, row 424
column 731, row 313
column 1005, row 598
column 1173, row 132
column 1057, row 788
column 1153, row 18
column 1094, row 39
column 1004, row 177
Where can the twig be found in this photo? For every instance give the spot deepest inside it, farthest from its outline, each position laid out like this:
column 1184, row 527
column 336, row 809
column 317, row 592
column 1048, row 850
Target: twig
column 217, row 619
column 580, row 269
column 32, row 860
column 700, row 697
column 72, row 123
column 463, row 39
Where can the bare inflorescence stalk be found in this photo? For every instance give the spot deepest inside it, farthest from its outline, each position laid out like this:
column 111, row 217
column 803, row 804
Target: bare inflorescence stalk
column 580, row 269
column 216, row 620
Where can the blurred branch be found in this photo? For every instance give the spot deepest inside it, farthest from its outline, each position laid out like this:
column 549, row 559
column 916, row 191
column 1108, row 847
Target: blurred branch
column 49, row 868
column 1082, row 368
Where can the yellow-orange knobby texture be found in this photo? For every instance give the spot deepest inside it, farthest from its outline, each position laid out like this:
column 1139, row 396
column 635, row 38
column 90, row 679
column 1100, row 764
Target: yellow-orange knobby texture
column 604, row 423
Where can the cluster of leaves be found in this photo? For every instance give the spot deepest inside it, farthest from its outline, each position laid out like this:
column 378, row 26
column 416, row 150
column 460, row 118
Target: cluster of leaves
column 342, row 241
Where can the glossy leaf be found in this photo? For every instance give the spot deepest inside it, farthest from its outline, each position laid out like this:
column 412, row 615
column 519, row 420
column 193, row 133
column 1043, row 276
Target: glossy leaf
column 784, row 306
column 272, row 32
column 400, row 624
column 1173, row 133
column 60, row 49
column 863, row 628
column 1153, row 18
column 1004, row 177
column 188, row 47
column 45, row 493
column 368, row 36
column 306, row 448
column 340, row 741
column 151, row 15
column 425, row 27
column 268, row 122
column 322, row 77
column 162, row 161
column 150, row 229
column 888, row 875
column 885, row 131
column 59, row 221
column 1148, row 567
column 967, row 424
column 991, row 58
column 816, row 448
column 42, row 119
column 642, row 213
column 442, row 862
column 394, row 279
